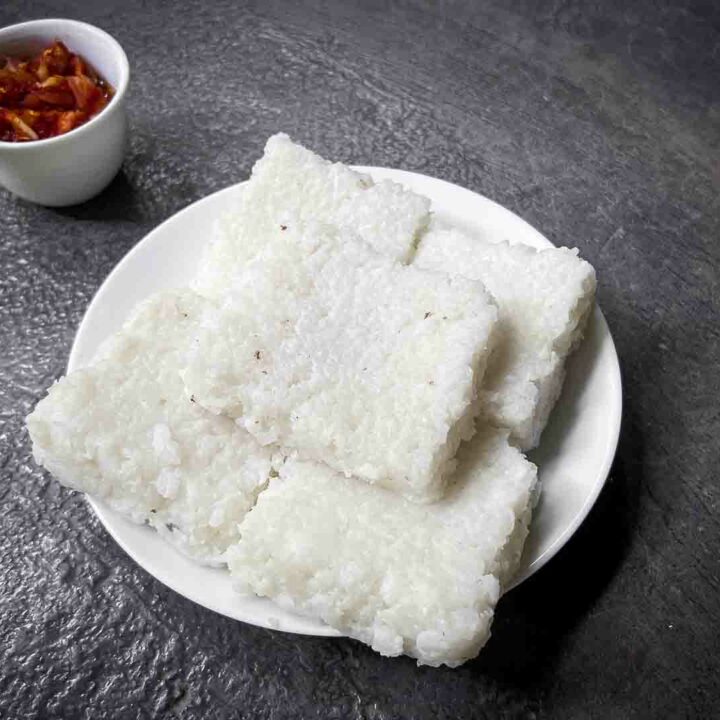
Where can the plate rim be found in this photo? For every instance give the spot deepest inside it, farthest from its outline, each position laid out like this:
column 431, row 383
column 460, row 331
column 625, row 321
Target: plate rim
column 603, row 472
column 614, row 427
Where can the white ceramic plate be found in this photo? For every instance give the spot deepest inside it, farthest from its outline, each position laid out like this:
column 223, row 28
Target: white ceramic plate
column 574, row 457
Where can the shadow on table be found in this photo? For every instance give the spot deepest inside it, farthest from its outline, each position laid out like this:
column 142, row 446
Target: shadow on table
column 124, row 200
column 534, row 620
column 118, row 201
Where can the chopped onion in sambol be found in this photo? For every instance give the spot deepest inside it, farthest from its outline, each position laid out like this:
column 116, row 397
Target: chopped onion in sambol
column 48, row 95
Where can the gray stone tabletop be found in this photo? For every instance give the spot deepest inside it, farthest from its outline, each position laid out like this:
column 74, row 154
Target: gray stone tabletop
column 599, row 123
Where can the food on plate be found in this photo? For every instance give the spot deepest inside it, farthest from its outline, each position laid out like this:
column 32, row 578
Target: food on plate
column 122, row 430
column 350, row 358
column 544, row 298
column 338, row 409
column 291, row 185
column 422, row 580
column 48, row 95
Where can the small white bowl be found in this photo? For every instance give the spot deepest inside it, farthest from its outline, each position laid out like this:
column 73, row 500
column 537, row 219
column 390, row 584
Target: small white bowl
column 73, row 167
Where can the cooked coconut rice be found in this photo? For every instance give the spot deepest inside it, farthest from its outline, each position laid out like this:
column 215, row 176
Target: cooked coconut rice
column 544, row 298
column 422, row 580
column 123, row 430
column 347, row 357
column 291, row 185
column 297, row 415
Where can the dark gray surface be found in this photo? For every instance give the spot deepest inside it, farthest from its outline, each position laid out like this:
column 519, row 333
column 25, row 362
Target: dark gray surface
column 598, row 123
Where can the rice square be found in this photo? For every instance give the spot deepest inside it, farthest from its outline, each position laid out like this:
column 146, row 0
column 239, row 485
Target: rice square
column 544, row 299
column 347, row 357
column 290, row 184
column 422, row 580
column 123, row 431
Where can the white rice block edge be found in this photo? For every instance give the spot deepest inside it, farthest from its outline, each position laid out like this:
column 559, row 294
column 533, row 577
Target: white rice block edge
column 291, row 184
column 348, row 357
column 544, row 298
column 422, row 580
column 122, row 430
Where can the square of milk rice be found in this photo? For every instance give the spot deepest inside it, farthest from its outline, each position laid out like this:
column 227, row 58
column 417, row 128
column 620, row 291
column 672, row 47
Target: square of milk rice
column 123, row 430
column 291, row 184
column 421, row 580
column 544, row 299
column 347, row 357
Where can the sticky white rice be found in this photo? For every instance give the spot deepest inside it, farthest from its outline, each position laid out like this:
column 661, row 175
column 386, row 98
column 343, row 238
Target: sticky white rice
column 291, row 185
column 299, row 412
column 348, row 357
column 123, row 430
column 422, row 580
column 544, row 298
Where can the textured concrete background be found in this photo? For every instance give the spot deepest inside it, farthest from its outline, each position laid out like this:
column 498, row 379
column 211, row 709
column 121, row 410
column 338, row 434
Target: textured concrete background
column 597, row 122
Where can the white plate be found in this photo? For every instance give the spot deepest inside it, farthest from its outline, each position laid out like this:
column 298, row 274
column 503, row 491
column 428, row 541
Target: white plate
column 574, row 457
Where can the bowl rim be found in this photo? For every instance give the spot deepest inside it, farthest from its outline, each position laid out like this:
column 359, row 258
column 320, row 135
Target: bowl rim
column 117, row 98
